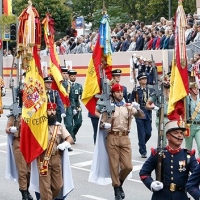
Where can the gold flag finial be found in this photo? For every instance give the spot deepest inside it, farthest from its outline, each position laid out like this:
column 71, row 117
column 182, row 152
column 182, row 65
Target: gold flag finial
column 180, row 2
column 104, row 11
column 30, row 3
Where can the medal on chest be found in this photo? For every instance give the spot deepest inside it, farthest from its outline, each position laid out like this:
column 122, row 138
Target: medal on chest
column 182, row 165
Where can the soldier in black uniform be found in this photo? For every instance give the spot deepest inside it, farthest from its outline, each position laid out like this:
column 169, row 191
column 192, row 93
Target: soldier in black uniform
column 193, row 183
column 54, row 97
column 75, row 96
column 144, row 126
column 177, row 163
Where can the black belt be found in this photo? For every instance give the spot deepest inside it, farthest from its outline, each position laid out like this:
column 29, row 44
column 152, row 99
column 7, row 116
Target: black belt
column 173, row 187
column 193, row 122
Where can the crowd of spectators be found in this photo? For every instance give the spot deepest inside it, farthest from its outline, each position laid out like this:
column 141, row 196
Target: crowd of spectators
column 134, row 36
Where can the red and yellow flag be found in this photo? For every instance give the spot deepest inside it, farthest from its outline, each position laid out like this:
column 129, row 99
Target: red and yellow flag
column 55, row 69
column 101, row 59
column 92, row 80
column 7, row 7
column 179, row 75
column 34, row 124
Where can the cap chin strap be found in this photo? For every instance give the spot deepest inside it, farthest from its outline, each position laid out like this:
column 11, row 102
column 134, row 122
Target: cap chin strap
column 175, row 137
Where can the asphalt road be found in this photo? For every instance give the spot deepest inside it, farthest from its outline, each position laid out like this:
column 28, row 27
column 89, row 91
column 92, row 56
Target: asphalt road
column 80, row 160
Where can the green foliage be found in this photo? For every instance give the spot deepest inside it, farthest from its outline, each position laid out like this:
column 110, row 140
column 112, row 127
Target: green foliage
column 60, row 13
column 119, row 11
column 7, row 20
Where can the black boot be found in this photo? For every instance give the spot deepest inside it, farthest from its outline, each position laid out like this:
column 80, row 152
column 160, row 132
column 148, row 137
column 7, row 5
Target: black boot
column 29, row 195
column 121, row 190
column 24, row 194
column 117, row 193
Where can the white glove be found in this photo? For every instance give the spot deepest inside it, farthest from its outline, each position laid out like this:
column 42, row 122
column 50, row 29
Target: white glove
column 136, row 105
column 74, row 112
column 13, row 129
column 3, row 91
column 156, row 108
column 63, row 115
column 156, row 186
column 64, row 145
column 106, row 125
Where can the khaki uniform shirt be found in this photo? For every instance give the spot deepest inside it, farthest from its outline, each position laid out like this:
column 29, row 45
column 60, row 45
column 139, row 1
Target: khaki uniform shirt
column 121, row 116
column 62, row 133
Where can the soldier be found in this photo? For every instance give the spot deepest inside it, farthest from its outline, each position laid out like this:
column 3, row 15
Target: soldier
column 54, row 97
column 51, row 181
column 151, row 102
column 144, row 126
column 177, row 163
column 116, row 75
column 192, row 186
column 13, row 127
column 2, row 93
column 117, row 141
column 75, row 96
column 69, row 111
column 193, row 117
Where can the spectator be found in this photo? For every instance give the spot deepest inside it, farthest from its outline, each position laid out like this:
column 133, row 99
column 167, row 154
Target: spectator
column 171, row 39
column 146, row 41
column 117, row 48
column 140, row 41
column 162, row 39
column 126, row 43
column 166, row 41
column 133, row 44
column 197, row 38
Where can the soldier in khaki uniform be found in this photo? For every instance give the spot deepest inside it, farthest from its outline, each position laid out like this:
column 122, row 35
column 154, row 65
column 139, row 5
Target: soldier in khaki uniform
column 193, row 117
column 51, row 182
column 118, row 142
column 13, row 127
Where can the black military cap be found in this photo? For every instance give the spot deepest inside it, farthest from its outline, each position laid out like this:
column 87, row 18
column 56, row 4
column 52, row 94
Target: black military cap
column 141, row 75
column 48, row 79
column 116, row 72
column 64, row 69
column 72, row 72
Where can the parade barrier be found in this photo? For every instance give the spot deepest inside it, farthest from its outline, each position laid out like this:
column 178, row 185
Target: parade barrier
column 79, row 62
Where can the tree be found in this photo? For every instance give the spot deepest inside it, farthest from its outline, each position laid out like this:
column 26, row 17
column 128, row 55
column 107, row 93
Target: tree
column 58, row 10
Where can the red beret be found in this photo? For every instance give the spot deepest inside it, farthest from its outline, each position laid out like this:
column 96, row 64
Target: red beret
column 117, row 87
column 51, row 106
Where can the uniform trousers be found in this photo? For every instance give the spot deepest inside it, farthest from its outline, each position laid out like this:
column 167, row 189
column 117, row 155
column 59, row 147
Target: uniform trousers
column 194, row 134
column 144, row 133
column 51, row 184
column 22, row 167
column 69, row 120
column 120, row 157
column 77, row 122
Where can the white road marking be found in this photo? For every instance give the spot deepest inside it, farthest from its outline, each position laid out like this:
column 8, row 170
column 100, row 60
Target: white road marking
column 136, row 168
column 83, row 169
column 71, row 153
column 92, row 197
column 2, row 151
column 3, row 144
column 83, row 164
column 134, row 180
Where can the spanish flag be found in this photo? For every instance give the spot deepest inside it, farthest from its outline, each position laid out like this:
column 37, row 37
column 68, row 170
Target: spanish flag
column 179, row 75
column 55, row 70
column 7, row 7
column 101, row 59
column 34, row 124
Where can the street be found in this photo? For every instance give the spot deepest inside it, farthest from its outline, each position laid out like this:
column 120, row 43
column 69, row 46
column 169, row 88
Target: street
column 81, row 159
